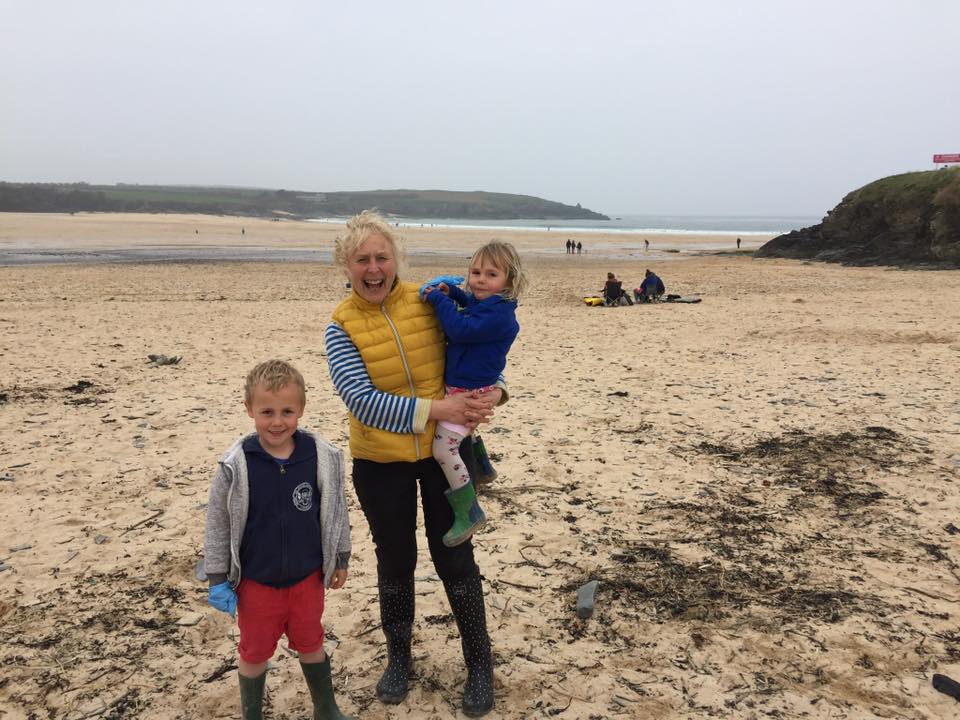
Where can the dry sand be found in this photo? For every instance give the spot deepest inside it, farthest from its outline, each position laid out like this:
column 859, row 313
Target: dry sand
column 764, row 483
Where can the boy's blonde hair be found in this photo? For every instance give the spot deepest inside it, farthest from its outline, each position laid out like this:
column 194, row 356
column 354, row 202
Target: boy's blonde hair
column 359, row 228
column 273, row 375
column 504, row 257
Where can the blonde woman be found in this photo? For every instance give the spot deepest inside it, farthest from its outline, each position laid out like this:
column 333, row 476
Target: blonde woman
column 385, row 350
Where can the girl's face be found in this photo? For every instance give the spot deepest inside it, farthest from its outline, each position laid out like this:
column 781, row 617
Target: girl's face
column 486, row 279
column 373, row 268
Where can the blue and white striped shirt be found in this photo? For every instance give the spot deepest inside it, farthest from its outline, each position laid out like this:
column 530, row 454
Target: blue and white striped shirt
column 365, row 402
column 373, row 407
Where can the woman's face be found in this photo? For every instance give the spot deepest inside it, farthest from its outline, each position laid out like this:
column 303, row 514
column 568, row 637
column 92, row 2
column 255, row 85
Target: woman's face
column 373, row 268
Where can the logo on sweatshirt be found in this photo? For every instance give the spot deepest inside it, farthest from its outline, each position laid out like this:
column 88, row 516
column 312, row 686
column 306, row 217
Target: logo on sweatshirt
column 303, row 496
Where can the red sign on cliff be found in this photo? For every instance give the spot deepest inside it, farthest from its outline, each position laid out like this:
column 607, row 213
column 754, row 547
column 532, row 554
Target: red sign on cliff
column 949, row 158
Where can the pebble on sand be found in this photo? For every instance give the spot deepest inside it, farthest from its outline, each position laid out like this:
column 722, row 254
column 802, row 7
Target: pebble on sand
column 585, row 597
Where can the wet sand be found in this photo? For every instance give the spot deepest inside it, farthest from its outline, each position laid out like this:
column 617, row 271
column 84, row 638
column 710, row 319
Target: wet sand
column 35, row 238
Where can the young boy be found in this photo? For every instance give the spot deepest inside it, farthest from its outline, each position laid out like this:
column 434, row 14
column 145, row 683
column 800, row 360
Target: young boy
column 277, row 534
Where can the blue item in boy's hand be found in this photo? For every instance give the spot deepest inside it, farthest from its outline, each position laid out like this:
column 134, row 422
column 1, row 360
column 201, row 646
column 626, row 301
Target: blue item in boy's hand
column 223, row 598
column 445, row 279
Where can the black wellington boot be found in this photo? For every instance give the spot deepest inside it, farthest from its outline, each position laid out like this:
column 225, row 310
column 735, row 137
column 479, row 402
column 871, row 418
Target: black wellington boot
column 396, row 618
column 466, row 602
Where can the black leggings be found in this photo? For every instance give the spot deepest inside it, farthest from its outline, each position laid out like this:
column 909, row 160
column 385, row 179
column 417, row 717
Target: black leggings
column 388, row 495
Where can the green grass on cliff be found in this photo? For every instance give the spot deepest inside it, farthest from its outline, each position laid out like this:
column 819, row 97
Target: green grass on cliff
column 916, row 184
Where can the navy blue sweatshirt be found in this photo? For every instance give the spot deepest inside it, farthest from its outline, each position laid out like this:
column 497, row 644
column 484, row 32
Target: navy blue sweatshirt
column 479, row 336
column 281, row 542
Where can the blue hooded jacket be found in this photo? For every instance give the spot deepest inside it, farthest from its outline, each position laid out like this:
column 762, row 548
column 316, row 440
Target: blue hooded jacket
column 281, row 541
column 479, row 336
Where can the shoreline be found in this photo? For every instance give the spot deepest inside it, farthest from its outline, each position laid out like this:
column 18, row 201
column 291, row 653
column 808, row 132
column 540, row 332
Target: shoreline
column 61, row 238
column 452, row 223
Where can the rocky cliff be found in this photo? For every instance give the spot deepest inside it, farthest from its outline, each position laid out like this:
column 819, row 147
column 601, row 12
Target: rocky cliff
column 905, row 220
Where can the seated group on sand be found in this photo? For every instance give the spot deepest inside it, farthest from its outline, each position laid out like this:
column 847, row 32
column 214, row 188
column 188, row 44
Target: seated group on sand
column 650, row 290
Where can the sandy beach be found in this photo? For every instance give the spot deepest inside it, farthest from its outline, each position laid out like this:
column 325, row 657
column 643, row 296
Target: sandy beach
column 764, row 484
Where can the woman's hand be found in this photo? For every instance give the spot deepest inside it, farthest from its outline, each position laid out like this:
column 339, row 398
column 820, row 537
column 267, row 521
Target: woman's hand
column 468, row 409
column 483, row 405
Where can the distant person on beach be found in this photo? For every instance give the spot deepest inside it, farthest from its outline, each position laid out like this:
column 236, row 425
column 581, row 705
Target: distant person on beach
column 480, row 327
column 646, row 244
column 738, row 243
column 579, row 247
column 277, row 511
column 385, row 350
column 569, row 246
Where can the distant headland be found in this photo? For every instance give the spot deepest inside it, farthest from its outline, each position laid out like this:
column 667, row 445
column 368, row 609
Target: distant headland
column 256, row 202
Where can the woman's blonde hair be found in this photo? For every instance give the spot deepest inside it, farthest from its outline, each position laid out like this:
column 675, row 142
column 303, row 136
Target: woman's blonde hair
column 359, row 228
column 504, row 256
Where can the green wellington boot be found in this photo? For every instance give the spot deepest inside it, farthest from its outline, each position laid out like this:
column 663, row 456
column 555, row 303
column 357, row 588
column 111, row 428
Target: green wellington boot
column 321, row 691
column 468, row 517
column 251, row 696
column 487, row 472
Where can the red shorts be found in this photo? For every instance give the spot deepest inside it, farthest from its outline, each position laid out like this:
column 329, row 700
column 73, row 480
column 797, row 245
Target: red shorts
column 265, row 613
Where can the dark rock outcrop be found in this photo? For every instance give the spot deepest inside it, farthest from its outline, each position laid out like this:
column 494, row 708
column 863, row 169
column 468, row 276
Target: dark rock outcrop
column 904, row 220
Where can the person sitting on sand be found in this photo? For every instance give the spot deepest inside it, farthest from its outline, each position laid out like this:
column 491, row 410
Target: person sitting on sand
column 613, row 291
column 650, row 290
column 277, row 510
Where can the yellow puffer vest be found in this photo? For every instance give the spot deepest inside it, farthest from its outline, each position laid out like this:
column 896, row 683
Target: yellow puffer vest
column 403, row 347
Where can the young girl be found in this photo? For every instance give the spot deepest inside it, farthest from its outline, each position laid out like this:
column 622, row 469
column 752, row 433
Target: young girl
column 480, row 326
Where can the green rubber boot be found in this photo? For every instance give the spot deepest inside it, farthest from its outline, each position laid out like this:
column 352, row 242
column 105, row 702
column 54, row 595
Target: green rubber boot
column 321, row 691
column 487, row 472
column 468, row 517
column 251, row 696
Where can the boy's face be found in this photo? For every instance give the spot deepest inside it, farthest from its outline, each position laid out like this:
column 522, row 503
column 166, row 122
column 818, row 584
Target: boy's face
column 486, row 279
column 275, row 416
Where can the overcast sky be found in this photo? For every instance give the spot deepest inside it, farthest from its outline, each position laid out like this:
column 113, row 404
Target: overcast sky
column 700, row 107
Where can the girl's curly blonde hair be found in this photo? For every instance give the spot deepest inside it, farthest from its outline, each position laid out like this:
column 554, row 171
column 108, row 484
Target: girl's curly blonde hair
column 503, row 256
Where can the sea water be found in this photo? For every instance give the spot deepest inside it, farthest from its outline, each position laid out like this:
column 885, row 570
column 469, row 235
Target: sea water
column 742, row 225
